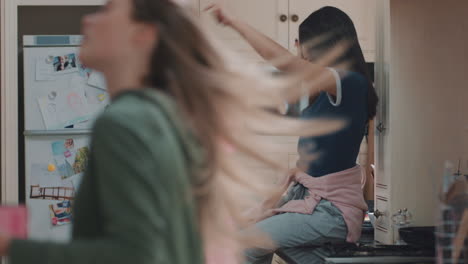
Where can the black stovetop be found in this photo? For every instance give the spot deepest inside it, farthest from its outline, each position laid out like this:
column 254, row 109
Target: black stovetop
column 366, row 251
column 352, row 250
column 358, row 253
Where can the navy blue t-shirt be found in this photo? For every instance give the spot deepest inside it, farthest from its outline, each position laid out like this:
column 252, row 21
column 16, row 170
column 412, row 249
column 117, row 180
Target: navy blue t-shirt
column 337, row 151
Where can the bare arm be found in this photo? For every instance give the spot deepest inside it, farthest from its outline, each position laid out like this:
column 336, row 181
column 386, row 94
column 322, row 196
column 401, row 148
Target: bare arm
column 270, row 50
column 266, row 47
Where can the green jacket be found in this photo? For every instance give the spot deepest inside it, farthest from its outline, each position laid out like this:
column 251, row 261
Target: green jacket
column 134, row 205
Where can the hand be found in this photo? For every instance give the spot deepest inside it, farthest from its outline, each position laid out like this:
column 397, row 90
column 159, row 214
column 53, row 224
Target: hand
column 220, row 14
column 4, row 245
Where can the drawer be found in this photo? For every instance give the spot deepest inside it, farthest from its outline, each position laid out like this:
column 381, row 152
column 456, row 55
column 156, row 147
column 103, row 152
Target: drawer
column 383, row 229
column 381, row 204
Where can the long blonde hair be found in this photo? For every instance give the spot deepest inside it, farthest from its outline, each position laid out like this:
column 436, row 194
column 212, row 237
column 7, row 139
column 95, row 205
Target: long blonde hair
column 223, row 105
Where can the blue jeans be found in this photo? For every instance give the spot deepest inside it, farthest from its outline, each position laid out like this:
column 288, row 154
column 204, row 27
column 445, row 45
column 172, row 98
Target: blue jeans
column 325, row 225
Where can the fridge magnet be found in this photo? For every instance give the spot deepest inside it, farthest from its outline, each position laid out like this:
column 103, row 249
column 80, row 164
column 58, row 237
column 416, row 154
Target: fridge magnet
column 52, row 95
column 65, row 64
column 51, row 167
column 101, row 97
column 61, row 213
column 49, row 59
column 69, row 159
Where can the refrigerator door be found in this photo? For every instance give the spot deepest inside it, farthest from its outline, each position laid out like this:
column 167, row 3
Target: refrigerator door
column 36, row 67
column 58, row 91
column 54, row 168
column 62, row 98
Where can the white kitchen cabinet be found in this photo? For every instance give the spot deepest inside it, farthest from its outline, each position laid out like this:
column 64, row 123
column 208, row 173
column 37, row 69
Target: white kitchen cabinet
column 422, row 89
column 264, row 15
column 280, row 20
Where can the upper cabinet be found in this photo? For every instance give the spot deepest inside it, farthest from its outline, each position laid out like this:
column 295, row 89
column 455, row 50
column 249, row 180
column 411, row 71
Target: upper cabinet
column 280, row 20
column 264, row 15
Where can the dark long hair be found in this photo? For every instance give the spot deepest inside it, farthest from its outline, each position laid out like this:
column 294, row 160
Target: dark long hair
column 335, row 26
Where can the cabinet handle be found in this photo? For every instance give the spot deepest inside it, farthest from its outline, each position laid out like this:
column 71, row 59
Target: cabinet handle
column 378, row 214
column 295, row 18
column 381, row 127
column 283, row 18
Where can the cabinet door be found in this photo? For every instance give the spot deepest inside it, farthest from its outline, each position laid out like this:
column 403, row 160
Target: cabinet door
column 362, row 12
column 264, row 15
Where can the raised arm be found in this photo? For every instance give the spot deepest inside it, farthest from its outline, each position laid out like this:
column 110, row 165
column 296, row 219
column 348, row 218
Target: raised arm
column 269, row 49
column 263, row 45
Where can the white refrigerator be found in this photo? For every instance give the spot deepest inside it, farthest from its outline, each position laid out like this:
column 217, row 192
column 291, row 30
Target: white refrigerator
column 61, row 99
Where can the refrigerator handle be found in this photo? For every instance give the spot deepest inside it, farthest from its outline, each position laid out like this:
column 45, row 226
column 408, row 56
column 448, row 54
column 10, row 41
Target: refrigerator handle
column 63, row 132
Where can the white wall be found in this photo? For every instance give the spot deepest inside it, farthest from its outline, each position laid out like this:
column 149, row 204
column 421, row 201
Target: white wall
column 428, row 98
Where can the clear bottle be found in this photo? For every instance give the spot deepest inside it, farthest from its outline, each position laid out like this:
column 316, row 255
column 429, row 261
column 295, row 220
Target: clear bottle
column 401, row 219
column 453, row 203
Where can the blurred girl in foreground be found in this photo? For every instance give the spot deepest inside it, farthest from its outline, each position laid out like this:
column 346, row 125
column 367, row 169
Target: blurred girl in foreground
column 161, row 183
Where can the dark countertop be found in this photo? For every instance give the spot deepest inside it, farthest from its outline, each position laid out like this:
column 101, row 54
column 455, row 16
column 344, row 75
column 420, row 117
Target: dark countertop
column 366, row 251
column 321, row 256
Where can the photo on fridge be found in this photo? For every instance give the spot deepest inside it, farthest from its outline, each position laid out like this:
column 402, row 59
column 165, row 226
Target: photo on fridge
column 61, row 213
column 70, row 160
column 46, row 184
column 65, row 63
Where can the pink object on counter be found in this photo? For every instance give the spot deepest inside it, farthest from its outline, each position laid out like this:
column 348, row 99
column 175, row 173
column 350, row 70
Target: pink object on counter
column 343, row 189
column 14, row 221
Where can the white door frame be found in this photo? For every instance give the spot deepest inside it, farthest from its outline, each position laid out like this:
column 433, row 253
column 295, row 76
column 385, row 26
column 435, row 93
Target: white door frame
column 9, row 89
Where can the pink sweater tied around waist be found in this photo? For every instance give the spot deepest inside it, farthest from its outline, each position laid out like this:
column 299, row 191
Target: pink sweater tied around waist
column 343, row 189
